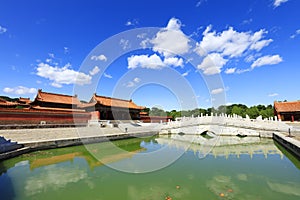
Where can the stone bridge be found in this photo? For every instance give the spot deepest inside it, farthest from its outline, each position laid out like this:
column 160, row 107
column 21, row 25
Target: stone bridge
column 226, row 125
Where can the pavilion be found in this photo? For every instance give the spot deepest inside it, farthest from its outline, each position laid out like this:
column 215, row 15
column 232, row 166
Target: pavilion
column 287, row 111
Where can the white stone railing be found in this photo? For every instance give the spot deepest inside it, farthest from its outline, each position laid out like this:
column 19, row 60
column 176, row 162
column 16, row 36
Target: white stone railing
column 270, row 124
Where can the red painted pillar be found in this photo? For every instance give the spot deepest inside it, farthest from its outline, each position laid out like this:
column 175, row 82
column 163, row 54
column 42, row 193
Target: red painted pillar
column 293, row 118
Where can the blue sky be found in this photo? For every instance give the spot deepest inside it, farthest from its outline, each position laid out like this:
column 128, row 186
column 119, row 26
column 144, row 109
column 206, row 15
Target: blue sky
column 213, row 51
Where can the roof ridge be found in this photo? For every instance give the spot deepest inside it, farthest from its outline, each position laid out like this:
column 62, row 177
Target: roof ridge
column 130, row 100
column 58, row 94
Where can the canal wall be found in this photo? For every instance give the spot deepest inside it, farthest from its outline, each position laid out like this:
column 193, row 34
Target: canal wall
column 289, row 143
column 30, row 145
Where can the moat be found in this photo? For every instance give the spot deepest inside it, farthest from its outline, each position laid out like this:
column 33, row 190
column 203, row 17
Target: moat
column 253, row 168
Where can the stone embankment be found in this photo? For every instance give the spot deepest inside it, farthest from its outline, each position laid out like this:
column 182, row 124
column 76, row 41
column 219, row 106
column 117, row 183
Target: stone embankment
column 37, row 139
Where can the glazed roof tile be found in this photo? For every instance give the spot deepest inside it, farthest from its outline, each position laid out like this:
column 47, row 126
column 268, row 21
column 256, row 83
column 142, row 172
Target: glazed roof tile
column 287, row 106
column 56, row 98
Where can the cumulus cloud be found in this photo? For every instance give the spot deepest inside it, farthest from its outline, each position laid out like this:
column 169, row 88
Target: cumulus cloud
column 153, row 62
column 230, row 42
column 2, row 29
column 278, row 2
column 145, row 61
column 230, row 70
column 217, row 91
column 297, row 32
column 212, row 64
column 266, row 60
column 62, row 75
column 228, row 45
column 94, row 71
column 20, row 90
column 170, row 41
column 100, row 57
column 174, row 61
column 107, row 75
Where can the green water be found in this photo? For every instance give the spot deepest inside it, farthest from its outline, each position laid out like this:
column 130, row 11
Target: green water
column 258, row 170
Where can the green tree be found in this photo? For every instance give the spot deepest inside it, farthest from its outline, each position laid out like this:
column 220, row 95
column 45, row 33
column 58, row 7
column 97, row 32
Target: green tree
column 157, row 112
column 252, row 112
column 238, row 110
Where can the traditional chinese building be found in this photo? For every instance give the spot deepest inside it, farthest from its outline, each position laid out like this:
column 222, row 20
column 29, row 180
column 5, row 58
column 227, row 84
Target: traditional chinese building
column 109, row 108
column 47, row 108
column 287, row 111
column 46, row 100
column 7, row 104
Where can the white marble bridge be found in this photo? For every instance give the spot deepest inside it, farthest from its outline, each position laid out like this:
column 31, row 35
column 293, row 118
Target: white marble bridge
column 226, row 125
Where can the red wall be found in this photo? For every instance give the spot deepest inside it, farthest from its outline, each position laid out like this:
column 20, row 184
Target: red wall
column 155, row 119
column 17, row 116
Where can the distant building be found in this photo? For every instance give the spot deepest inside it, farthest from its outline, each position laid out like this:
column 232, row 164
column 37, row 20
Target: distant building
column 7, row 104
column 46, row 100
column 109, row 108
column 24, row 102
column 287, row 111
column 47, row 108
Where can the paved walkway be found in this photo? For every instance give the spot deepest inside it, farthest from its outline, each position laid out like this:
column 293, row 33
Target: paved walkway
column 49, row 134
column 295, row 131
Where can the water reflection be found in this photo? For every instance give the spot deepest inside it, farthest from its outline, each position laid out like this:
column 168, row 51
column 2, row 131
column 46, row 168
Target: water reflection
column 53, row 178
column 222, row 146
column 73, row 173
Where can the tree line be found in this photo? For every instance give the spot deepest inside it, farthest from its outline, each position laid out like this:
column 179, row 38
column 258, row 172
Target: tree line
column 239, row 109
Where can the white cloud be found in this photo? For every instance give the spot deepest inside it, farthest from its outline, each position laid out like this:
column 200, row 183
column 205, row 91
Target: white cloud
column 200, row 2
column 107, row 75
column 145, row 61
column 133, row 83
column 297, row 32
column 51, row 55
column 278, row 2
column 266, row 60
column 66, row 50
column 212, row 64
column 174, row 61
column 130, row 84
column 249, row 58
column 136, row 80
column 132, row 22
column 94, row 71
column 153, row 61
column 230, row 70
column 62, row 75
column 2, row 29
column 185, row 73
column 20, row 90
column 57, row 85
column 247, row 21
column 217, row 91
column 145, row 43
column 101, row 57
column 230, row 42
column 125, row 44
column 273, row 95
column 171, row 40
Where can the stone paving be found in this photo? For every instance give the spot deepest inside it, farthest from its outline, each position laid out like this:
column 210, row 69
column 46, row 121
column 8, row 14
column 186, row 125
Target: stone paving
column 295, row 131
column 49, row 134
